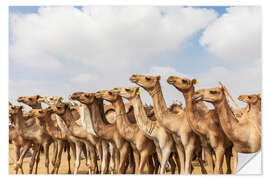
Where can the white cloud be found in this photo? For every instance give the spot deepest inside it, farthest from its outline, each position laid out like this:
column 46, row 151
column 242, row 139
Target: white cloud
column 84, row 78
column 98, row 36
column 236, row 35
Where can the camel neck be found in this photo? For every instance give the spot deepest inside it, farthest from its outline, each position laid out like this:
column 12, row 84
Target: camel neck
column 19, row 122
column 227, row 119
column 67, row 117
column 124, row 127
column 144, row 123
column 158, row 100
column 97, row 114
column 189, row 105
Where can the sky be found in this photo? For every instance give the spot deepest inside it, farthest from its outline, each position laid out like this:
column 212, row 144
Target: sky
column 58, row 50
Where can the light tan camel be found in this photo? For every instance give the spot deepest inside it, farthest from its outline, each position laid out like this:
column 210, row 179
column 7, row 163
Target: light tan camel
column 103, row 129
column 176, row 107
column 85, row 120
column 19, row 142
column 33, row 102
column 253, row 108
column 35, row 133
column 143, row 148
column 152, row 129
column 53, row 130
column 108, row 150
column 205, row 125
column 175, row 123
column 68, row 124
column 244, row 136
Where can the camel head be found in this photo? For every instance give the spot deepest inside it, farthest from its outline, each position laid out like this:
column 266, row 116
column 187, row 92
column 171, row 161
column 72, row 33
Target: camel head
column 146, row 82
column 176, row 107
column 250, row 99
column 39, row 113
column 126, row 92
column 50, row 99
column 180, row 83
column 29, row 100
column 83, row 97
column 211, row 95
column 59, row 109
column 16, row 110
column 107, row 95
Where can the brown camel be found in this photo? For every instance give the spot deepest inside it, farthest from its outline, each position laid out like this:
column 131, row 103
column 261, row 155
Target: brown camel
column 68, row 124
column 33, row 102
column 175, row 123
column 152, row 129
column 253, row 108
column 205, row 125
column 142, row 146
column 19, row 142
column 35, row 133
column 102, row 128
column 103, row 148
column 240, row 132
column 53, row 130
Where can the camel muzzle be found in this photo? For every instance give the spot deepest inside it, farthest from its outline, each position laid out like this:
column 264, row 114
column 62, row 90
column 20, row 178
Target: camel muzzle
column 133, row 79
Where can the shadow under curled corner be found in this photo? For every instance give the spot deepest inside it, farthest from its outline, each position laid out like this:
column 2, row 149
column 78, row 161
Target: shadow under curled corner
column 249, row 164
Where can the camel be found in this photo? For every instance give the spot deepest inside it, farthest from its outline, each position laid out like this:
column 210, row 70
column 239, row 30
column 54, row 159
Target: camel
column 253, row 106
column 142, row 147
column 107, row 147
column 68, row 124
column 205, row 125
column 175, row 123
column 35, row 133
column 239, row 131
column 152, row 129
column 19, row 142
column 103, row 129
column 85, row 120
column 33, row 102
column 55, row 133
column 176, row 107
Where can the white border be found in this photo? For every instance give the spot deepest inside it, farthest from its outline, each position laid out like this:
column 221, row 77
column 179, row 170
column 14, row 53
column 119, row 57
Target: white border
column 4, row 71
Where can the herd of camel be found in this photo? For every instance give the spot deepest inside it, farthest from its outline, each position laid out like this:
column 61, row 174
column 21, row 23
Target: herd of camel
column 144, row 139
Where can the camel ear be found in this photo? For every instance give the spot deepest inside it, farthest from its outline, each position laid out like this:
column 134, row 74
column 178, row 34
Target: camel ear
column 194, row 81
column 158, row 78
column 259, row 95
column 38, row 96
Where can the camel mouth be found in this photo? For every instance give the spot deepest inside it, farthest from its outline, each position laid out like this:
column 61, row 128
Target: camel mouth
column 115, row 92
column 170, row 81
column 196, row 98
column 97, row 95
column 133, row 79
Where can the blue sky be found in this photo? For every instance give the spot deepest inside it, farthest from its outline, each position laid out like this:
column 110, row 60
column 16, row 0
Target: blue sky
column 48, row 60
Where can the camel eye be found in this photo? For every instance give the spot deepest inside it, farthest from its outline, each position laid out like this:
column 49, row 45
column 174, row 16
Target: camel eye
column 213, row 92
column 110, row 93
column 148, row 78
column 249, row 97
column 127, row 90
column 184, row 81
column 30, row 99
column 87, row 95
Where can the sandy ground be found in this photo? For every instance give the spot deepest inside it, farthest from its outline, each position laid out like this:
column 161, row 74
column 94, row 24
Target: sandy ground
column 64, row 164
